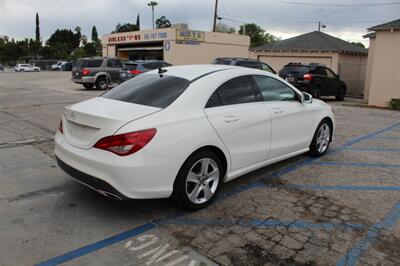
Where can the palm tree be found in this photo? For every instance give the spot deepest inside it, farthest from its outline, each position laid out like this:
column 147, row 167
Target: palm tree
column 152, row 4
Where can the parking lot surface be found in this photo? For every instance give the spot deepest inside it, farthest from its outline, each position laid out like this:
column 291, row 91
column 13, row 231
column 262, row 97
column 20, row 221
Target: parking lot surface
column 341, row 209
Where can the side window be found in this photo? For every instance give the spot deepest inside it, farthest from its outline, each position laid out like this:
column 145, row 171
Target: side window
column 266, row 68
column 330, row 73
column 319, row 71
column 235, row 91
column 250, row 64
column 114, row 63
column 275, row 90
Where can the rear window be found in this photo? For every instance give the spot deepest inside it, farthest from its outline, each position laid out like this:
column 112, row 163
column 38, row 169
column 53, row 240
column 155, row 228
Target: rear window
column 222, row 62
column 250, row 64
column 295, row 69
column 149, row 89
column 130, row 66
column 89, row 62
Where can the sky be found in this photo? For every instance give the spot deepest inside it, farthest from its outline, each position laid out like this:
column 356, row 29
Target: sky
column 346, row 19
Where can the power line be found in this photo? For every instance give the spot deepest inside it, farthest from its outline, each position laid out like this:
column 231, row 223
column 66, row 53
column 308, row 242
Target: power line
column 334, row 5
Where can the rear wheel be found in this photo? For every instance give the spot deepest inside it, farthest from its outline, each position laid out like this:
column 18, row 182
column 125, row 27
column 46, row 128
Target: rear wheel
column 88, row 86
column 198, row 181
column 101, row 83
column 341, row 94
column 316, row 92
column 321, row 139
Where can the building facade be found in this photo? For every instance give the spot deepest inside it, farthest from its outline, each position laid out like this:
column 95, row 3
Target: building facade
column 176, row 46
column 383, row 78
column 344, row 58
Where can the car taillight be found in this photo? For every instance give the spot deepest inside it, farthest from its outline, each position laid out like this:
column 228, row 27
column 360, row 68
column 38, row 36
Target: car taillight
column 307, row 77
column 135, row 72
column 60, row 127
column 126, row 144
column 85, row 72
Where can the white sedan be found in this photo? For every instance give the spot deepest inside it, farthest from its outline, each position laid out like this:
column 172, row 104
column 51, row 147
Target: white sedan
column 182, row 131
column 26, row 68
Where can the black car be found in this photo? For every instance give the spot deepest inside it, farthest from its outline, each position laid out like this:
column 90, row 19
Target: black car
column 134, row 68
column 98, row 71
column 316, row 79
column 243, row 62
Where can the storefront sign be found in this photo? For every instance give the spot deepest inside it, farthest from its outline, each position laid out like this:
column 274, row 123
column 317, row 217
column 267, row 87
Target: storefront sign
column 188, row 42
column 190, row 35
column 136, row 37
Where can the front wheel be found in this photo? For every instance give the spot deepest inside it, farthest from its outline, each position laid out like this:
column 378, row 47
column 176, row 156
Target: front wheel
column 198, row 181
column 321, row 139
column 316, row 92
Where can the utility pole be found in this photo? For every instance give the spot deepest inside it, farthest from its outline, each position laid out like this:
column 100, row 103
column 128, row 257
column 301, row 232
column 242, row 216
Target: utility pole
column 215, row 15
column 320, row 25
column 152, row 4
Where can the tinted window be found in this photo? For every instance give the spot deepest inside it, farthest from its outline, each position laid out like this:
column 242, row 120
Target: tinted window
column 330, row 73
column 114, row 63
column 89, row 63
column 130, row 66
column 149, row 89
column 319, row 71
column 250, row 64
column 266, row 68
column 214, row 101
column 222, row 62
column 274, row 90
column 153, row 65
column 294, row 69
column 235, row 91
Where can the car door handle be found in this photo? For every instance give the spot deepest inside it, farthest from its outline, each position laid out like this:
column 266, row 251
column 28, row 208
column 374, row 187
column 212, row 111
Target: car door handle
column 277, row 110
column 231, row 118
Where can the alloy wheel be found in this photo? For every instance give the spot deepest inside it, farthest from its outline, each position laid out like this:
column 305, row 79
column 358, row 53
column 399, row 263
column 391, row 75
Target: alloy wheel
column 323, row 138
column 202, row 181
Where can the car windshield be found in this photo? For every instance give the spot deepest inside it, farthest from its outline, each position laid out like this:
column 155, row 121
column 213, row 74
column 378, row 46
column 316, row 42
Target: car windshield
column 149, row 89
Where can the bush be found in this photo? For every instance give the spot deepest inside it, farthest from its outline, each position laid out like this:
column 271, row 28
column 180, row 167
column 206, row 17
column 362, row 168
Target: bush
column 394, row 104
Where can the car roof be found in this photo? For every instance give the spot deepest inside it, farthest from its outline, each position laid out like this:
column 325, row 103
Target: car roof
column 191, row 72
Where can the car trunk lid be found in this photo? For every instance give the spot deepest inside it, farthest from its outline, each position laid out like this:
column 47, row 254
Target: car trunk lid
column 87, row 122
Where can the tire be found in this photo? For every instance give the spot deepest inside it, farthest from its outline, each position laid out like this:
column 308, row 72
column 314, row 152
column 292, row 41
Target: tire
column 316, row 92
column 192, row 194
column 322, row 136
column 341, row 94
column 88, row 86
column 102, row 83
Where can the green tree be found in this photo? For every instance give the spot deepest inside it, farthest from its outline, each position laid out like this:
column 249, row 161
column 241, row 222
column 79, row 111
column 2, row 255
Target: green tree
column 163, row 22
column 95, row 35
column 257, row 35
column 138, row 21
column 37, row 29
column 126, row 27
column 63, row 42
column 359, row 44
column 222, row 27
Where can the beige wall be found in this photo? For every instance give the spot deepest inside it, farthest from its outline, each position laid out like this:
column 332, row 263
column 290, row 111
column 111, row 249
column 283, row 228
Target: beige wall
column 181, row 52
column 278, row 59
column 370, row 63
column 352, row 70
column 385, row 70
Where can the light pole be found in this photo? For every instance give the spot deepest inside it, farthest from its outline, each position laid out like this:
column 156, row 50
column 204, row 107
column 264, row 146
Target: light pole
column 152, row 4
column 320, row 25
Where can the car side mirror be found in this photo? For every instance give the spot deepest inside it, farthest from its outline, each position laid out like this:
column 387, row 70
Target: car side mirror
column 306, row 98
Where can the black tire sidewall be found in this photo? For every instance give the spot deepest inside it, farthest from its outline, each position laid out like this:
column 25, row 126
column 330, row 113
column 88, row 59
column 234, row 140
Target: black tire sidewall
column 98, row 86
column 313, row 146
column 341, row 94
column 314, row 90
column 179, row 193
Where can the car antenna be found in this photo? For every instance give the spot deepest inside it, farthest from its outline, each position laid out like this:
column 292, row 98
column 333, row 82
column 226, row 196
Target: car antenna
column 161, row 70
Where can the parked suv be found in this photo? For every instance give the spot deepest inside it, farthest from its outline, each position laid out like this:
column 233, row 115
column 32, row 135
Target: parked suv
column 316, row 79
column 26, row 68
column 98, row 71
column 133, row 68
column 244, row 62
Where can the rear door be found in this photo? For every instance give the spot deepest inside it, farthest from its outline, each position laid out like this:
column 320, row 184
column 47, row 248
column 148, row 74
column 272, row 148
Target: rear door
column 114, row 67
column 334, row 84
column 241, row 121
column 323, row 81
column 292, row 121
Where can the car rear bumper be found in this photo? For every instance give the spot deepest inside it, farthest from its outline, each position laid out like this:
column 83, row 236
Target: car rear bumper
column 84, row 80
column 138, row 176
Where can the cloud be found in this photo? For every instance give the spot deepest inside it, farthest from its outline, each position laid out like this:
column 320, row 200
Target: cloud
column 17, row 17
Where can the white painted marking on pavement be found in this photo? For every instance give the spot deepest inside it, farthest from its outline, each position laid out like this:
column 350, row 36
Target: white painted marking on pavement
column 176, row 261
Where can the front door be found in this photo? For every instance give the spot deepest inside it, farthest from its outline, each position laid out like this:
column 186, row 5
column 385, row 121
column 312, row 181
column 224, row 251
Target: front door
column 241, row 121
column 292, row 121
